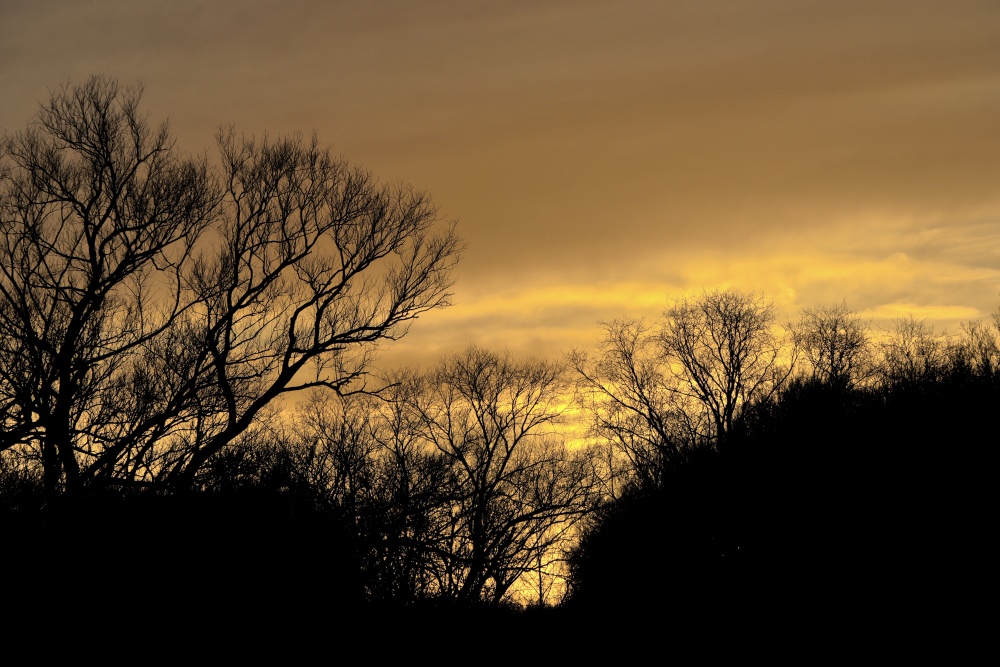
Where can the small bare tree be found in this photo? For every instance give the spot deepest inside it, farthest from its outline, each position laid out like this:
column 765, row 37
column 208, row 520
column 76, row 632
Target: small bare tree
column 515, row 490
column 912, row 353
column 655, row 391
column 363, row 455
column 978, row 347
column 627, row 387
column 836, row 344
column 724, row 354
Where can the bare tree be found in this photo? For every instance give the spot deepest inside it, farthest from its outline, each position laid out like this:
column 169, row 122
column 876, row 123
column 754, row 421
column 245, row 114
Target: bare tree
column 978, row 347
column 100, row 216
column 627, row 387
column 723, row 353
column 835, row 342
column 912, row 353
column 515, row 490
column 316, row 264
column 153, row 308
column 656, row 391
column 459, row 486
column 364, row 457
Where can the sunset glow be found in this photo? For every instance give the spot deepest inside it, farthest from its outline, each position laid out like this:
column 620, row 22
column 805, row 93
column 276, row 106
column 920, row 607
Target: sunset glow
column 602, row 159
column 549, row 324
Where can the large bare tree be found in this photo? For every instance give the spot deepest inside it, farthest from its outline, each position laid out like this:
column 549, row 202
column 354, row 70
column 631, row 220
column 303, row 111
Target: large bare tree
column 153, row 306
column 100, row 216
column 315, row 264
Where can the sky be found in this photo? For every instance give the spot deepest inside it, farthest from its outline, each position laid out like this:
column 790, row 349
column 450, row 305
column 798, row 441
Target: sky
column 601, row 158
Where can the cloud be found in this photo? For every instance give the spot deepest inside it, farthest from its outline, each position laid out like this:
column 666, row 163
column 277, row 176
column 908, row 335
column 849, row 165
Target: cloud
column 601, row 156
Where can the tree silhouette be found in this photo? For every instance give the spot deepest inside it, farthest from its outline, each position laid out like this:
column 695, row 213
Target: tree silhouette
column 724, row 353
column 835, row 342
column 829, row 495
column 655, row 391
column 458, row 487
column 628, row 389
column 364, row 458
column 514, row 491
column 154, row 307
column 912, row 354
column 100, row 217
column 317, row 264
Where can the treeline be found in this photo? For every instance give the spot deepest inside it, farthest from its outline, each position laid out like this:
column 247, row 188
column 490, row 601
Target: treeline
column 844, row 502
column 801, row 470
column 191, row 419
column 448, row 487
